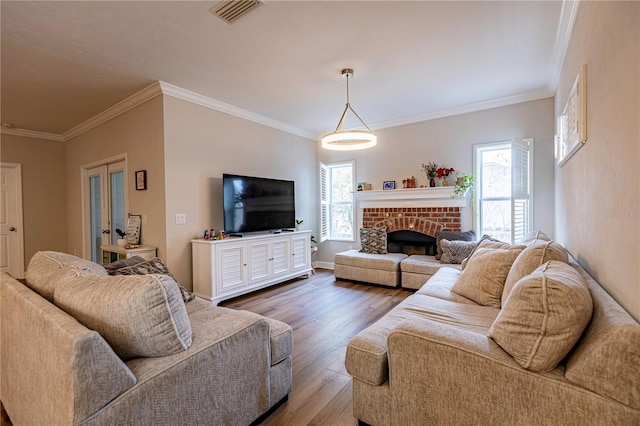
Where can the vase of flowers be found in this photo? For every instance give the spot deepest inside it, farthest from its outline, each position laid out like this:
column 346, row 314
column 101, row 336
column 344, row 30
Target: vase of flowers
column 443, row 173
column 431, row 170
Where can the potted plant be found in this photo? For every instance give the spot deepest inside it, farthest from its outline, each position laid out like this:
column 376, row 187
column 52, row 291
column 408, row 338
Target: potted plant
column 122, row 241
column 443, row 173
column 299, row 224
column 465, row 183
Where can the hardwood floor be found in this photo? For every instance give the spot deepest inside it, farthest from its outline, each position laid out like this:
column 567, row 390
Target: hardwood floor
column 324, row 314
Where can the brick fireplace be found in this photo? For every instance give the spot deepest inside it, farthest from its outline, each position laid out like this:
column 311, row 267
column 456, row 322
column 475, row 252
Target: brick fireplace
column 422, row 210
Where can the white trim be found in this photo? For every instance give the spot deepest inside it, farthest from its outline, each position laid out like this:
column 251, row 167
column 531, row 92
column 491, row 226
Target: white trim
column 121, row 107
column 323, row 265
column 198, row 99
column 32, row 134
column 19, row 225
column 563, row 36
column 464, row 109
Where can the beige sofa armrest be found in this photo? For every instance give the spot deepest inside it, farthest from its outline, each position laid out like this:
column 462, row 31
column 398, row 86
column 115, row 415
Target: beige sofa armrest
column 444, row 374
column 54, row 370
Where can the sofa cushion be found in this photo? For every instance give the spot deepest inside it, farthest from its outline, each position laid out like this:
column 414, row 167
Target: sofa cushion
column 455, row 251
column 487, row 241
column 139, row 315
column 453, row 236
column 422, row 264
column 373, row 240
column 483, row 279
column 544, row 316
column 530, row 259
column 366, row 357
column 439, row 286
column 142, row 267
column 47, row 269
column 385, row 262
column 533, row 237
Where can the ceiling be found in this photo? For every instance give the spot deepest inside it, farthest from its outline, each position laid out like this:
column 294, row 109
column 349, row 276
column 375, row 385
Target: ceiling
column 62, row 63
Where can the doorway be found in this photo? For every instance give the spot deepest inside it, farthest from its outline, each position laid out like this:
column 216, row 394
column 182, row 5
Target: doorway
column 105, row 206
column 11, row 220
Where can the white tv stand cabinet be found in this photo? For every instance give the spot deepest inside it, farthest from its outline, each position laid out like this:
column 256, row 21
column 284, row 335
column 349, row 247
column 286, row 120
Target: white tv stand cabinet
column 227, row 268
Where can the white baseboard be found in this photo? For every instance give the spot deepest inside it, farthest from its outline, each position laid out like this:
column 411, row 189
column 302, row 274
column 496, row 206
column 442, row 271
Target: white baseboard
column 323, row 265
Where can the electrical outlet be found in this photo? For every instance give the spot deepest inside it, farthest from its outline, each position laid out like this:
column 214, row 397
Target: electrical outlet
column 181, row 219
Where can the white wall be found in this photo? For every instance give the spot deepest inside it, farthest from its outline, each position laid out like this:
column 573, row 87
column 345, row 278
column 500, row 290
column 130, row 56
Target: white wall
column 200, row 145
column 598, row 189
column 449, row 141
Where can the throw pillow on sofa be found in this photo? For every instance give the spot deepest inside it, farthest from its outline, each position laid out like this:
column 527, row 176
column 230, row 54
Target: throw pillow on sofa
column 485, row 242
column 373, row 240
column 454, row 252
column 139, row 315
column 138, row 266
column 530, row 259
column 544, row 316
column 483, row 279
column 452, row 236
column 47, row 269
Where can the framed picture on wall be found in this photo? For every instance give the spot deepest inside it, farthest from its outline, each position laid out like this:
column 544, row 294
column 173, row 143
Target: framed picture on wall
column 389, row 184
column 141, row 180
column 572, row 124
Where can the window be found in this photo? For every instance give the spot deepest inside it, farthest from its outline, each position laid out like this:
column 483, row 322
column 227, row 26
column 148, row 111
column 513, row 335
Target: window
column 337, row 182
column 503, row 188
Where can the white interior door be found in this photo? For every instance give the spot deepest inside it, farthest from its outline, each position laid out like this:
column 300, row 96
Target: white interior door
column 11, row 232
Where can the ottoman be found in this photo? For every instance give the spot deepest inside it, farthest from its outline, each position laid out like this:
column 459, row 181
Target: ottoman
column 417, row 269
column 382, row 269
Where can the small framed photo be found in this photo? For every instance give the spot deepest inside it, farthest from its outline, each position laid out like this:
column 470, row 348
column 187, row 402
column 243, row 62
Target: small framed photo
column 389, row 184
column 141, row 180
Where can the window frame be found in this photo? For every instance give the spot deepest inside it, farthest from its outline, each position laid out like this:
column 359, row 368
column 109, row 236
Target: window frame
column 517, row 189
column 326, row 199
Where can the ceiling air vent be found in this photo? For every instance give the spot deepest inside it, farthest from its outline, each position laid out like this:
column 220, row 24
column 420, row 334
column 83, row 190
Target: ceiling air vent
column 232, row 10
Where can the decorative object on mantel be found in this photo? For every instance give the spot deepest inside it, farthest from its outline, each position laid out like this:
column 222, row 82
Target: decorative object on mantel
column 572, row 124
column 409, row 183
column 349, row 140
column 443, row 173
column 364, row 186
column 389, row 184
column 465, row 183
column 431, row 170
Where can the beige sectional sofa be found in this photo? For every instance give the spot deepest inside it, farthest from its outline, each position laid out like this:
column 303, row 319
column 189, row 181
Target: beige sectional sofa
column 82, row 347
column 389, row 269
column 554, row 349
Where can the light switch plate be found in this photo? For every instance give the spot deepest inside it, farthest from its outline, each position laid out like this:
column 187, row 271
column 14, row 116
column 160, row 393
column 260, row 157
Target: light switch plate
column 181, row 219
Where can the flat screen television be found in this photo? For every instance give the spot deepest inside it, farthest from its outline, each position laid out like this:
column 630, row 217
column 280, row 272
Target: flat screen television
column 253, row 204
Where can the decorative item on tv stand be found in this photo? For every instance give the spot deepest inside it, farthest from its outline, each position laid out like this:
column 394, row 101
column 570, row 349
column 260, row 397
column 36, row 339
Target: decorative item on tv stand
column 299, row 223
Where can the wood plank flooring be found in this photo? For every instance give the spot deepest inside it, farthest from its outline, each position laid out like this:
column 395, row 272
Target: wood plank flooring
column 324, row 314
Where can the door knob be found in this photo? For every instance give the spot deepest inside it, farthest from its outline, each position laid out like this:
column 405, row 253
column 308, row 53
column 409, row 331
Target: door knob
column 12, row 228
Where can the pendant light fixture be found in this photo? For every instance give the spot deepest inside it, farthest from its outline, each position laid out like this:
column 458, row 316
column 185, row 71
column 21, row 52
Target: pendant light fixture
column 349, row 140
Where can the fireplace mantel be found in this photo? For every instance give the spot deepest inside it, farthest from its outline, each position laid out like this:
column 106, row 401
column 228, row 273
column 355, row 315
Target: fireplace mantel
column 415, row 197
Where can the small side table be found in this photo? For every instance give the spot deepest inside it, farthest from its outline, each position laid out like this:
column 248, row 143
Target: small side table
column 113, row 253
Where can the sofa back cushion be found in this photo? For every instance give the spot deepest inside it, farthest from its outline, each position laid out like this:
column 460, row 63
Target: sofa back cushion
column 544, row 316
column 483, row 279
column 138, row 315
column 48, row 268
column 453, row 236
column 530, row 259
column 606, row 359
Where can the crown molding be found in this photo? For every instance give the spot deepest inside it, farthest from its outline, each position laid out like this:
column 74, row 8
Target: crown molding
column 563, row 36
column 121, row 107
column 198, row 99
column 32, row 134
column 463, row 109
